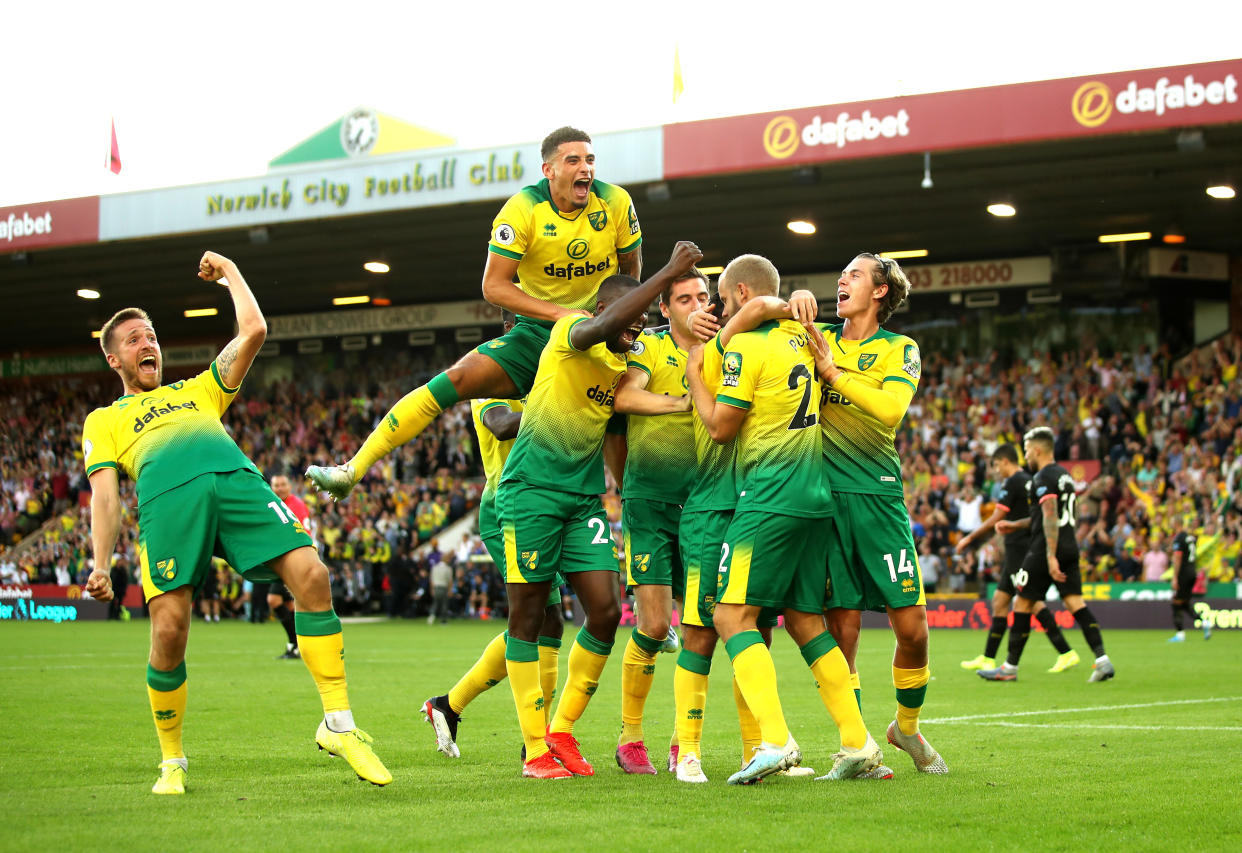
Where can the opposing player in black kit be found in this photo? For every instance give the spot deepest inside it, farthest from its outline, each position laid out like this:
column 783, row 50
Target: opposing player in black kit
column 1052, row 559
column 1012, row 506
column 1184, row 577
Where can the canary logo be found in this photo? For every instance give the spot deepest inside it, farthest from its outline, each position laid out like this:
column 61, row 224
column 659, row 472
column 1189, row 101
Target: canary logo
column 780, row 137
column 1092, row 104
column 167, row 569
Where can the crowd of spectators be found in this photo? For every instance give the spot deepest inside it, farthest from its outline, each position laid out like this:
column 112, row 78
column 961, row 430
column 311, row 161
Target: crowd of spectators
column 1164, row 435
column 1153, row 436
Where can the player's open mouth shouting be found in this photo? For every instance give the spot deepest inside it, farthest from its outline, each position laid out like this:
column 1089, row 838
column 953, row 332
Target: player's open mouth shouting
column 626, row 338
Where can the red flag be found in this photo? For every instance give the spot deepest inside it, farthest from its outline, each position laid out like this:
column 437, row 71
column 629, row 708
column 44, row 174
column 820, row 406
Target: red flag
column 114, row 154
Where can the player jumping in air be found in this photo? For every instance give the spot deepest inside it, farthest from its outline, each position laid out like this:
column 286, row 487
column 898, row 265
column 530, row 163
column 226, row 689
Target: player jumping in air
column 560, row 238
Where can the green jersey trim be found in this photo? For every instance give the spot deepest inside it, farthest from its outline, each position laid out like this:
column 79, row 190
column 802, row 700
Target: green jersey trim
column 630, row 247
column 569, row 334
column 215, row 374
column 505, row 253
column 641, row 367
column 719, row 345
column 901, row 379
column 93, row 468
column 493, row 404
column 732, row 401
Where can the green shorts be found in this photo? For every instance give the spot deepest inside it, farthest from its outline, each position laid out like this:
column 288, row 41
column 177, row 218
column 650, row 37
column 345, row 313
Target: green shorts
column 546, row 531
column 235, row 516
column 652, row 552
column 772, row 560
column 872, row 561
column 701, row 537
column 518, row 350
column 494, row 542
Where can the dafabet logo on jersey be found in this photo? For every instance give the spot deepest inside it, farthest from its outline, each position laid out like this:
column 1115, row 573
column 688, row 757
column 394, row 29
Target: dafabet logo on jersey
column 732, row 369
column 1093, row 103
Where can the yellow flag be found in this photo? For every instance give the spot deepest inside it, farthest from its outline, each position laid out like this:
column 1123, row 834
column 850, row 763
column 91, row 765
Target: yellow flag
column 678, row 85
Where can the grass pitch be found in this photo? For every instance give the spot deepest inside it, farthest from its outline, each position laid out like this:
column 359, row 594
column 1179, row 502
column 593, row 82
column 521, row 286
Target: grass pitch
column 1149, row 760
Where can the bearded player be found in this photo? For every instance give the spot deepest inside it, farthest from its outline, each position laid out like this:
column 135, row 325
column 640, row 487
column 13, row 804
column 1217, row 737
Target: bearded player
column 199, row 495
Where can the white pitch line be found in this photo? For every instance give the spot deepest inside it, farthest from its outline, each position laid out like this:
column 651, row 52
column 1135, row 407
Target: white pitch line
column 1107, row 726
column 970, row 717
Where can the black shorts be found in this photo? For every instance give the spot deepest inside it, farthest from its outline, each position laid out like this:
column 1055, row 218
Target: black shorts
column 211, row 586
column 1014, row 555
column 1033, row 580
column 1185, row 586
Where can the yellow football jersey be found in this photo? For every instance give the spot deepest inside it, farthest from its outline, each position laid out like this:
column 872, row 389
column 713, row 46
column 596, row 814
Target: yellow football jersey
column 714, row 482
column 492, row 451
column 658, row 462
column 780, row 457
column 165, row 437
column 563, row 257
column 560, row 443
column 859, row 448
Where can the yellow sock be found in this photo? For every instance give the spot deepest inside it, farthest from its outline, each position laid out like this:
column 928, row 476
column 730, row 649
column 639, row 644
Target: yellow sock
column 587, row 657
column 549, row 672
column 487, row 672
column 856, row 683
column 522, row 663
column 167, row 693
column 832, row 680
column 690, row 698
column 756, row 674
column 751, row 736
column 637, row 673
column 410, row 416
column 911, row 687
column 323, row 651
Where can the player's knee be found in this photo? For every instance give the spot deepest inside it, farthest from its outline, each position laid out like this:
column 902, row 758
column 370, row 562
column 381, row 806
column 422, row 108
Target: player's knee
column 654, row 625
column 553, row 624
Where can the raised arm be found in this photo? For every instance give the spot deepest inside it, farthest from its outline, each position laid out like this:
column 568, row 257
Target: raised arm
column 721, row 420
column 499, row 289
column 235, row 359
column 502, row 422
column 620, row 314
column 105, row 527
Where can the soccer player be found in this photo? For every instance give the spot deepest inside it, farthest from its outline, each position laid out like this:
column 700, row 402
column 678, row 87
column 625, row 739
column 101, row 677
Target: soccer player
column 560, row 238
column 774, row 554
column 657, row 479
column 198, row 494
column 871, row 375
column 279, row 601
column 1010, row 507
column 1052, row 559
column 496, row 424
column 551, row 513
column 1184, row 577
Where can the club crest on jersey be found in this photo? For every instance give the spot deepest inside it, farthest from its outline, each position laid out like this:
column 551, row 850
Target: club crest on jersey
column 913, row 363
column 167, row 569
column 598, row 219
column 866, row 360
column 732, row 369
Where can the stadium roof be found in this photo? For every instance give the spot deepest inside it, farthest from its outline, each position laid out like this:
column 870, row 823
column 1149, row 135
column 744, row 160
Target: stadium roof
column 1070, row 158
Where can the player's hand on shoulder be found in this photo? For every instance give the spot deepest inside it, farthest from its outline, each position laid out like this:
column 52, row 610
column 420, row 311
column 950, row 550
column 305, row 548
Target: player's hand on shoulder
column 703, row 324
column 824, row 364
column 685, row 256
column 99, row 585
column 212, row 266
column 804, row 307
